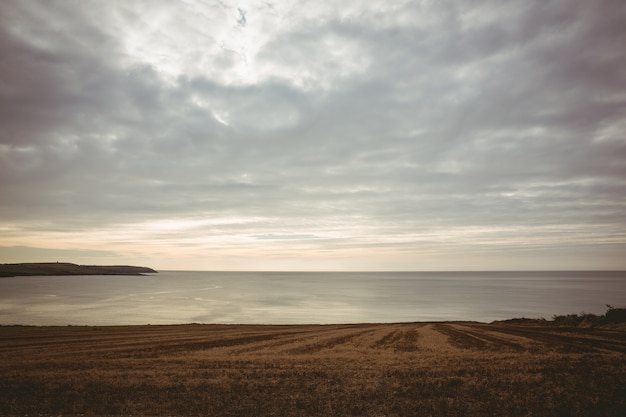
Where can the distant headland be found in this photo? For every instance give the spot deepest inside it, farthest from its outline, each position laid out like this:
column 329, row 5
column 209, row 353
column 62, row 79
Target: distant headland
column 64, row 268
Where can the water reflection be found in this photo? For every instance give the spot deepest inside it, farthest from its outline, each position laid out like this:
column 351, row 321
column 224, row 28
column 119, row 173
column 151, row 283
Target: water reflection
column 280, row 298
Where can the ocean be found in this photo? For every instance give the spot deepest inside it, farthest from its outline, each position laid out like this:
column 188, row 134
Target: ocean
column 175, row 297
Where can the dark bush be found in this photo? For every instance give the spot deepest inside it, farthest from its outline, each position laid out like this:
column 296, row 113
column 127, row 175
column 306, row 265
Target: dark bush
column 615, row 315
column 612, row 315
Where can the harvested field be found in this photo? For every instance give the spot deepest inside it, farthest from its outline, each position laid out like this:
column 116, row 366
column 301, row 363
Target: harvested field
column 409, row 369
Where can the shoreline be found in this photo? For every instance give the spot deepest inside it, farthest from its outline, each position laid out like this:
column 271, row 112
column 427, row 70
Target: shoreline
column 614, row 319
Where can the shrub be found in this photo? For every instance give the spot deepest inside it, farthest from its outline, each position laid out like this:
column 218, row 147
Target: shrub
column 615, row 315
column 612, row 315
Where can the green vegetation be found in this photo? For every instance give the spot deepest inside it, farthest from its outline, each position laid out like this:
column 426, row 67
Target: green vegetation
column 614, row 318
column 62, row 268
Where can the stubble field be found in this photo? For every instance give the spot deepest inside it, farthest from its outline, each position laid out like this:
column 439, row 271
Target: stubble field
column 408, row 369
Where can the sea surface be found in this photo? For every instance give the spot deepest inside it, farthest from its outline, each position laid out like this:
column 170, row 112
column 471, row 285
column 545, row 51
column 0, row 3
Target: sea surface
column 173, row 297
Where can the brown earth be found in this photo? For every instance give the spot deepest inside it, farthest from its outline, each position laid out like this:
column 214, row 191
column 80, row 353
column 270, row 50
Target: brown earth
column 412, row 369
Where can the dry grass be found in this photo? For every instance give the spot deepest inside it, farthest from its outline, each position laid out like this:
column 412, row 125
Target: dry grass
column 416, row 369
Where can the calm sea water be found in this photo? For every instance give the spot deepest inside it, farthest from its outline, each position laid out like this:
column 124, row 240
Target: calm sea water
column 310, row 297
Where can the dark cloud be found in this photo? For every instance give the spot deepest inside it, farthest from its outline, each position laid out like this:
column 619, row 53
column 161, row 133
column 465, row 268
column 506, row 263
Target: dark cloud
column 370, row 124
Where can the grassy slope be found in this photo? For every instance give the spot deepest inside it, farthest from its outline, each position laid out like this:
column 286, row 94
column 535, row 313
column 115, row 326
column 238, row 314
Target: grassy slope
column 416, row 369
column 61, row 268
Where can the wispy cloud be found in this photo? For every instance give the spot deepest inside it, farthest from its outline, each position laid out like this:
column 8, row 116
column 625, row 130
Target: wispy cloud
column 272, row 236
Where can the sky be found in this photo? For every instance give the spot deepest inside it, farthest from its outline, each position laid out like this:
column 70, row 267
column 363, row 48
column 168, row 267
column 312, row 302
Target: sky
column 326, row 135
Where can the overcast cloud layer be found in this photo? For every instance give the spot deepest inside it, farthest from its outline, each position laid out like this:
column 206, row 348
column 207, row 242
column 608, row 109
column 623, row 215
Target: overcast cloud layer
column 314, row 135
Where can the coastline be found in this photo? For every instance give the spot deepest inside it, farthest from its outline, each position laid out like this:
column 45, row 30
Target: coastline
column 69, row 269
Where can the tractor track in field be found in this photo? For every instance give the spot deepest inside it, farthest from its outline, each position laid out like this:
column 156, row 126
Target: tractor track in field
column 418, row 369
column 237, row 340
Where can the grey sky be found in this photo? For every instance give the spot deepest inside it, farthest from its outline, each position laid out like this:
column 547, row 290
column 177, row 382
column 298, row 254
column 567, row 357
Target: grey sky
column 314, row 135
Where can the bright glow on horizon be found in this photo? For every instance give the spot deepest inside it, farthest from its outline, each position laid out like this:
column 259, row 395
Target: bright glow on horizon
column 179, row 245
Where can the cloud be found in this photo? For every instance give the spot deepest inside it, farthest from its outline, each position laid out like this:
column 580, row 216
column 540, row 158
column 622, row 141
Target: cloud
column 242, row 17
column 272, row 236
column 401, row 125
column 26, row 254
